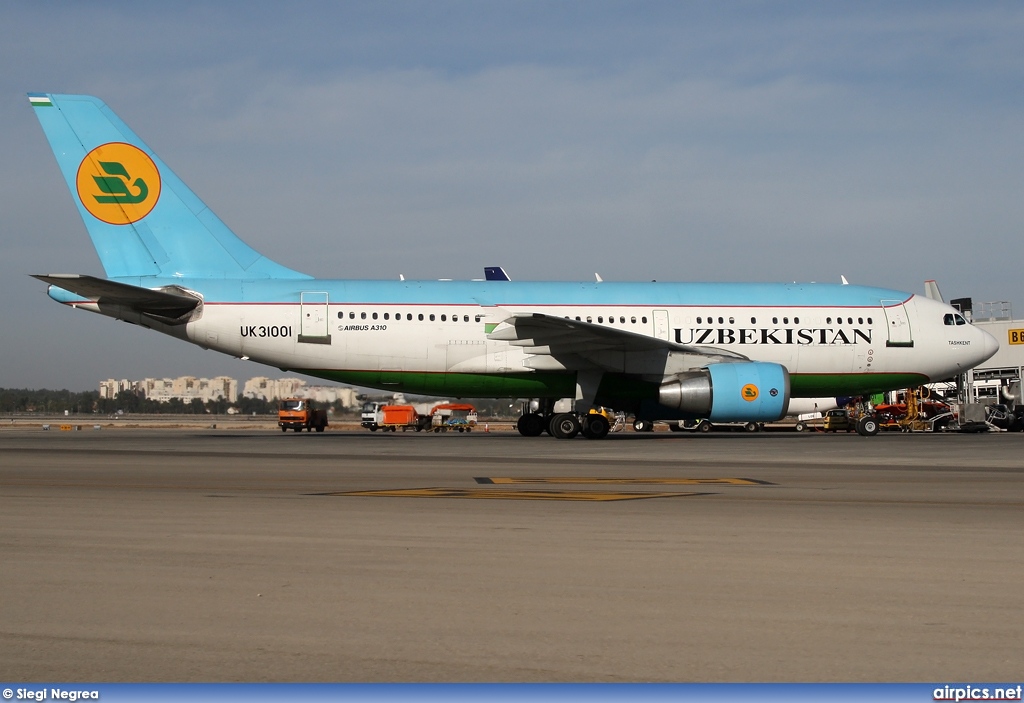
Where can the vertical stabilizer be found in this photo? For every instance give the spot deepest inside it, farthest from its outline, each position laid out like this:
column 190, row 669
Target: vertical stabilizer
column 143, row 219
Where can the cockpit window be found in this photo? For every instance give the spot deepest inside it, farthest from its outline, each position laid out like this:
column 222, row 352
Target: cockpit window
column 947, row 319
column 951, row 318
column 960, row 319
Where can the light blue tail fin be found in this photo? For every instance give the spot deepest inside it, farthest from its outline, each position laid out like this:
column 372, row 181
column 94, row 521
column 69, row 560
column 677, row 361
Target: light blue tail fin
column 143, row 220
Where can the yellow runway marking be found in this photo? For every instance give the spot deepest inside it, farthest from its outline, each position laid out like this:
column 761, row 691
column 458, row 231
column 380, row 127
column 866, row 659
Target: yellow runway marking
column 508, row 495
column 631, row 480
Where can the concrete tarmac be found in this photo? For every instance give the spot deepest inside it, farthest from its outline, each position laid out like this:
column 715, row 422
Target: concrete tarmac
column 242, row 555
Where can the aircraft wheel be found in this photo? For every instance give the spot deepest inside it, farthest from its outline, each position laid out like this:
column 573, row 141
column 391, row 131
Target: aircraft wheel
column 530, row 425
column 643, row 426
column 867, row 426
column 564, row 426
column 595, row 427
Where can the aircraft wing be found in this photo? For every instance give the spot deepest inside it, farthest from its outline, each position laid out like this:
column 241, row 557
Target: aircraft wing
column 160, row 303
column 585, row 344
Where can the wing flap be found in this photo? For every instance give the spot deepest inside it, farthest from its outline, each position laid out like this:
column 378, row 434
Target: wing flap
column 578, row 344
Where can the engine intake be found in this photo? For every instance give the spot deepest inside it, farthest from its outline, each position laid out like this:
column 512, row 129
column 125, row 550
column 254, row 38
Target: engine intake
column 734, row 392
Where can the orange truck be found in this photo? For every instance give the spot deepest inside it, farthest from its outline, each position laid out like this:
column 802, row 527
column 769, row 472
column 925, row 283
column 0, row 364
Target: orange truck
column 300, row 414
column 392, row 417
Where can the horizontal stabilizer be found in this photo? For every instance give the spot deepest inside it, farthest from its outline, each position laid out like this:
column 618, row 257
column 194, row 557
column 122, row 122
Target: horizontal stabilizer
column 160, row 303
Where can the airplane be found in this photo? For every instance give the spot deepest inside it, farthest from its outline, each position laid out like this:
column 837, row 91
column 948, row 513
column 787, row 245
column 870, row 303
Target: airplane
column 726, row 352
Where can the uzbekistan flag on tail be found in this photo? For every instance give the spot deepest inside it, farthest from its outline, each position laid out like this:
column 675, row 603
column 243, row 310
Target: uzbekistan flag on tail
column 39, row 100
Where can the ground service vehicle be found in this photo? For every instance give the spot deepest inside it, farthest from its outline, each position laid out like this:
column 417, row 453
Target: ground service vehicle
column 368, row 415
column 459, row 417
column 393, row 417
column 300, row 414
column 838, row 421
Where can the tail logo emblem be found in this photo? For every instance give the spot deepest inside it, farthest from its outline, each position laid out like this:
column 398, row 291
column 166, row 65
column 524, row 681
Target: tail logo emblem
column 118, row 183
column 749, row 392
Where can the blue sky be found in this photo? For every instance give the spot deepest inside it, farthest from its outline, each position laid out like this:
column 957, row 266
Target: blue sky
column 677, row 141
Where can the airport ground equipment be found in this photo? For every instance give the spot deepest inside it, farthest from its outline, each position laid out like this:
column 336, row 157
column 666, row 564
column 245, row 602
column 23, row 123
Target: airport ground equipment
column 457, row 417
column 300, row 414
column 391, row 418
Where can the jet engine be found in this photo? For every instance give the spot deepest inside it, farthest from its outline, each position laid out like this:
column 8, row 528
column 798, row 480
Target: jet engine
column 748, row 391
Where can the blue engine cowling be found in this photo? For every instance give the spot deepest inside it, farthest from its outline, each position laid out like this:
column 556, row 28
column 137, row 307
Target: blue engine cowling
column 748, row 391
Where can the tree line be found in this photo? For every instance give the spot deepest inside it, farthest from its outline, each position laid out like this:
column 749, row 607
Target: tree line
column 55, row 402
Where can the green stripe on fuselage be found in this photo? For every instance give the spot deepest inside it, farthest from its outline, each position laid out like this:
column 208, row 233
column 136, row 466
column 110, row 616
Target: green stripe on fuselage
column 617, row 390
column 824, row 385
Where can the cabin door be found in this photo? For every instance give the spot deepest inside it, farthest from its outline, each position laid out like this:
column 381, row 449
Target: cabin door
column 313, row 318
column 661, row 324
column 898, row 324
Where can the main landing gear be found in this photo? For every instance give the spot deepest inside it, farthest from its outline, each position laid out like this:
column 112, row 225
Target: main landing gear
column 564, row 425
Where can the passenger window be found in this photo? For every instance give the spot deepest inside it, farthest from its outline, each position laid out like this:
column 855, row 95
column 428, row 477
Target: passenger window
column 643, row 319
column 828, row 320
column 341, row 315
column 465, row 318
column 351, row 316
column 796, row 320
column 785, row 320
column 477, row 317
column 444, row 318
column 633, row 320
column 732, row 320
column 753, row 320
column 775, row 320
column 431, row 317
column 420, row 316
column 622, row 319
column 698, row 320
column 600, row 319
column 362, row 316
column 408, row 316
column 374, row 316
column 869, row 320
column 386, row 316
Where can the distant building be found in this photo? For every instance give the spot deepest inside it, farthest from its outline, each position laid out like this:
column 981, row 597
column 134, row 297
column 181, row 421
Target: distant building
column 189, row 388
column 184, row 388
column 265, row 388
column 273, row 389
column 111, row 387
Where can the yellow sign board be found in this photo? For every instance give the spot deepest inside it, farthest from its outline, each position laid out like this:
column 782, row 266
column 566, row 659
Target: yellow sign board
column 1016, row 336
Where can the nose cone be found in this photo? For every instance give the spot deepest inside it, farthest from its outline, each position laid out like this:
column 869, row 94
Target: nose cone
column 989, row 346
